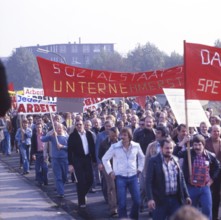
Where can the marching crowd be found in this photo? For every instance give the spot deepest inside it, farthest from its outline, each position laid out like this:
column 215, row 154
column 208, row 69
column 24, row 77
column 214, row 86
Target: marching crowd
column 124, row 147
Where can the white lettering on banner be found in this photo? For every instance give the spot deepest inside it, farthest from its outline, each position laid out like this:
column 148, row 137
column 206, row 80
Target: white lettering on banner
column 208, row 58
column 73, row 72
column 208, row 85
column 56, row 68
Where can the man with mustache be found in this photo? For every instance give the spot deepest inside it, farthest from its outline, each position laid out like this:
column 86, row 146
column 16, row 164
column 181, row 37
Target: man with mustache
column 165, row 185
column 205, row 170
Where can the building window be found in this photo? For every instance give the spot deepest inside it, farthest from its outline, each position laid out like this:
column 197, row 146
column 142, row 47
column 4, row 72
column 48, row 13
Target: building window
column 55, row 59
column 108, row 48
column 52, row 48
column 74, row 48
column 74, row 61
column 62, row 49
column 55, row 48
column 86, row 59
column 97, row 49
column 86, row 49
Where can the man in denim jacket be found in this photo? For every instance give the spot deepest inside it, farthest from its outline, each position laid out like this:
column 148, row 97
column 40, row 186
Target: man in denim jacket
column 23, row 137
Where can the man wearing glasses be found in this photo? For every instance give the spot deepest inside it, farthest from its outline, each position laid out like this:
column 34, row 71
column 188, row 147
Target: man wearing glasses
column 81, row 154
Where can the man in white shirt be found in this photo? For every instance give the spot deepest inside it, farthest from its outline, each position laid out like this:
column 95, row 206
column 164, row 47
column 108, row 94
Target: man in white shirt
column 128, row 162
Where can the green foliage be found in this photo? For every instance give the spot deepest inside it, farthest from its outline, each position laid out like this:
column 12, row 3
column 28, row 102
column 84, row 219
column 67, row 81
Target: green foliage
column 22, row 70
column 108, row 61
column 174, row 59
column 142, row 58
column 217, row 43
column 145, row 58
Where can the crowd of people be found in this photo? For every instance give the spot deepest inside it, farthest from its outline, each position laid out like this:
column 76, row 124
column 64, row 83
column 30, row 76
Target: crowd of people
column 123, row 146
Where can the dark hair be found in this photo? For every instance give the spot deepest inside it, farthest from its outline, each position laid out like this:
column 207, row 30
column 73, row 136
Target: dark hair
column 142, row 119
column 166, row 140
column 38, row 124
column 128, row 131
column 115, row 130
column 199, row 138
column 180, row 126
column 164, row 130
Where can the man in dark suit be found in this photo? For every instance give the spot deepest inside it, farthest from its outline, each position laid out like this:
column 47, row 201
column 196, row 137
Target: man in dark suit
column 81, row 154
column 165, row 184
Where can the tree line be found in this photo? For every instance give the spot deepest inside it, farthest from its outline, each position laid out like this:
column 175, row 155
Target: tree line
column 22, row 68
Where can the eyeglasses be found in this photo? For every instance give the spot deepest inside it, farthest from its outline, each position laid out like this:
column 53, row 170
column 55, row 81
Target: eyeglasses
column 79, row 124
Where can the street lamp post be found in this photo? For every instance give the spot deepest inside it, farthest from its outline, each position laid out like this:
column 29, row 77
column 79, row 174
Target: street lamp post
column 40, row 50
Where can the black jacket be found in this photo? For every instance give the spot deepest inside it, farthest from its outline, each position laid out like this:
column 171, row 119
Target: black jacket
column 75, row 146
column 155, row 181
column 214, row 165
column 144, row 138
column 34, row 143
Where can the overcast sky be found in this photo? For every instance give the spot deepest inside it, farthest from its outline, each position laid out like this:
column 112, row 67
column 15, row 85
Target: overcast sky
column 127, row 23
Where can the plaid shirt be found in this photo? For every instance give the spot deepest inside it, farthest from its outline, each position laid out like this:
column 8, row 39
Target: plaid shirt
column 170, row 170
column 201, row 170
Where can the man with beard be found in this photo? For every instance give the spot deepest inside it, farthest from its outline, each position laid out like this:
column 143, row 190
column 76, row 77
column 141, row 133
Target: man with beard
column 165, row 185
column 205, row 170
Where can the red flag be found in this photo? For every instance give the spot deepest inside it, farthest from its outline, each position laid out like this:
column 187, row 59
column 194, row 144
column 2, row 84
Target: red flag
column 141, row 100
column 61, row 80
column 202, row 72
column 11, row 87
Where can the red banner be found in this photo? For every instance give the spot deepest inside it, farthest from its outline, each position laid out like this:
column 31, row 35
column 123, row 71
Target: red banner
column 60, row 80
column 203, row 72
column 141, row 100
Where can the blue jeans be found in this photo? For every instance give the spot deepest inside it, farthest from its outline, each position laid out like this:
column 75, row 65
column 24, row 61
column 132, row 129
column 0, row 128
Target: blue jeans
column 24, row 150
column 169, row 206
column 60, row 170
column 7, row 143
column 41, row 169
column 202, row 196
column 122, row 184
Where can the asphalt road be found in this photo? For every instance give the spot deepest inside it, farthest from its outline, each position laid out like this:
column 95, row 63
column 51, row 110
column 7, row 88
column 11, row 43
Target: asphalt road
column 25, row 197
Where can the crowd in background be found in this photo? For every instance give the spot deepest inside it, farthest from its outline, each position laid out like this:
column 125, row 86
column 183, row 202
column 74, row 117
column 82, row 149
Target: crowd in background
column 100, row 134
